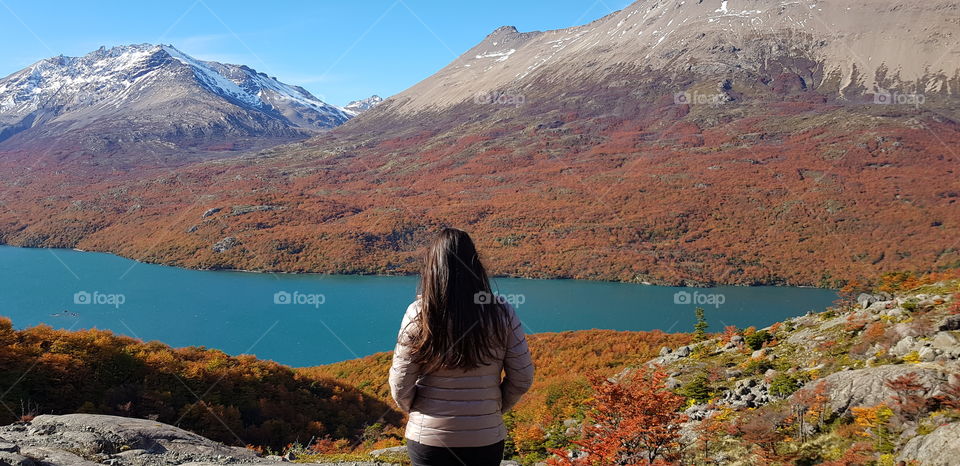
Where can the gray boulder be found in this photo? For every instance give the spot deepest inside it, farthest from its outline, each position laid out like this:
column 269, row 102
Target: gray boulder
column 927, row 354
column 903, row 347
column 881, row 306
column 907, row 330
column 938, row 448
column 947, row 343
column 867, row 387
column 88, row 439
column 950, row 323
column 865, row 300
column 389, row 451
column 15, row 459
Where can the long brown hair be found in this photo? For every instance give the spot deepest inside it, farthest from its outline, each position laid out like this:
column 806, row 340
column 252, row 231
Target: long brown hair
column 461, row 321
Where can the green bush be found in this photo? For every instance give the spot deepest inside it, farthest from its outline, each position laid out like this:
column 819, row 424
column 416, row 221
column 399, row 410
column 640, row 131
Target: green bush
column 783, row 385
column 698, row 389
column 757, row 339
column 757, row 367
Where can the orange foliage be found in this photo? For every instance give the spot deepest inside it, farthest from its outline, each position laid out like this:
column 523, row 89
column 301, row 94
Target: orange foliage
column 874, row 332
column 633, row 421
column 646, row 192
column 237, row 400
column 908, row 399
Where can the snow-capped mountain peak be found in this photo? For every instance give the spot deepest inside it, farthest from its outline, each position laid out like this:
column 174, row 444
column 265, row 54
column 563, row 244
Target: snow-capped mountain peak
column 357, row 107
column 161, row 85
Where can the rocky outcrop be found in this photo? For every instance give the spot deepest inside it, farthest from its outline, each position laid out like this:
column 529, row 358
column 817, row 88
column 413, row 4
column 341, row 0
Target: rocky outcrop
column 938, row 448
column 748, row 393
column 867, row 387
column 94, row 439
column 950, row 323
column 90, row 439
column 225, row 244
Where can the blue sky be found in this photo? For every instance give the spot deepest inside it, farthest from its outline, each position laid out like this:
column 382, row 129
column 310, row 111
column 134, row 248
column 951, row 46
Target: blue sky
column 338, row 50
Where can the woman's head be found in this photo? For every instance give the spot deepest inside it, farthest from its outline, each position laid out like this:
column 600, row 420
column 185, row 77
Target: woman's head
column 461, row 323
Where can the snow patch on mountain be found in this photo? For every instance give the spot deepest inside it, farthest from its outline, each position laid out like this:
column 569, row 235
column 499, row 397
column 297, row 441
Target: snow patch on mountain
column 121, row 76
column 214, row 80
column 357, row 107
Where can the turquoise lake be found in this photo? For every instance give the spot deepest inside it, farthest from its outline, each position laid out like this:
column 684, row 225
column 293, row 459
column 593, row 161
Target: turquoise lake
column 305, row 320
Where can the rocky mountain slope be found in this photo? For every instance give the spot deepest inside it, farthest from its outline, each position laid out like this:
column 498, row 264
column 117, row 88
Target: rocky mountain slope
column 151, row 99
column 683, row 142
column 843, row 46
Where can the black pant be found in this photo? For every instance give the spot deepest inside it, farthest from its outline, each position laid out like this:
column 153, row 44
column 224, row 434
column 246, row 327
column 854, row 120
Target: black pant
column 425, row 455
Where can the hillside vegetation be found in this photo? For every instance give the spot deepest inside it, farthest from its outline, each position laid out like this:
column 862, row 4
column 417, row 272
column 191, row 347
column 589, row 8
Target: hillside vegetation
column 765, row 192
column 872, row 380
column 236, row 400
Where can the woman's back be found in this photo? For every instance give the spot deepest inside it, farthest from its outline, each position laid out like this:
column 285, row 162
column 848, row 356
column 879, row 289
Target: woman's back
column 455, row 341
column 461, row 407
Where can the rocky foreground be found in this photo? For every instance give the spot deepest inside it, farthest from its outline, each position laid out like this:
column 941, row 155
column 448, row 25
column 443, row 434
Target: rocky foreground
column 90, row 439
column 93, row 439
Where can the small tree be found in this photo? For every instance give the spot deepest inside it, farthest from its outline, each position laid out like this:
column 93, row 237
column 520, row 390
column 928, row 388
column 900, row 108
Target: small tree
column 760, row 429
column 698, row 389
column 908, row 399
column 873, row 423
column 710, row 431
column 634, row 421
column 700, row 328
column 756, row 340
column 809, row 407
column 783, row 385
column 729, row 332
column 950, row 399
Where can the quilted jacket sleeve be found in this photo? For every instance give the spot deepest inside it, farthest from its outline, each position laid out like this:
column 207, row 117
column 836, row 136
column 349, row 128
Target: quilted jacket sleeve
column 403, row 371
column 517, row 364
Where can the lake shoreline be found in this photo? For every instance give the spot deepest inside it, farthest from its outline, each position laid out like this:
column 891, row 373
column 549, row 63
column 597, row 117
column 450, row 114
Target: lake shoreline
column 647, row 282
column 304, row 320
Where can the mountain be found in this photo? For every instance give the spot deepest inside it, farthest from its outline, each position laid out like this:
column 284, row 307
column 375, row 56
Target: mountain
column 357, row 107
column 674, row 142
column 152, row 99
column 842, row 48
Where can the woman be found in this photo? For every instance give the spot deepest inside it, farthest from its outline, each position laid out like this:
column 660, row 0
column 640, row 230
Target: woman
column 455, row 341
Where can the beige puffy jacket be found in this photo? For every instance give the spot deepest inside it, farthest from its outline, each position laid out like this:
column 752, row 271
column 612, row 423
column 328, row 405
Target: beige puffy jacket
column 460, row 408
